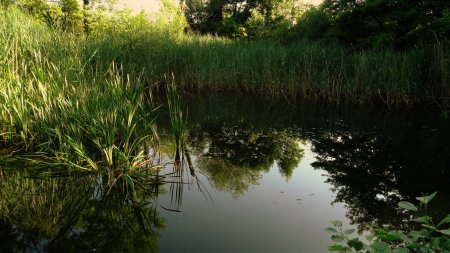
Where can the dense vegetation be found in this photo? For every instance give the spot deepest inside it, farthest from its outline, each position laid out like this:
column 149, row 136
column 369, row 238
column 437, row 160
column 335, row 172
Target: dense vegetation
column 370, row 23
column 158, row 46
column 57, row 109
column 76, row 81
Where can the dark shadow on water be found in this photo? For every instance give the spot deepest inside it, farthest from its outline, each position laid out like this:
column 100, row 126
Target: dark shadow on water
column 76, row 214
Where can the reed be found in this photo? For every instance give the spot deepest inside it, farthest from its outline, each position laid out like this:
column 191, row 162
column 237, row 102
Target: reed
column 55, row 110
column 177, row 120
column 297, row 71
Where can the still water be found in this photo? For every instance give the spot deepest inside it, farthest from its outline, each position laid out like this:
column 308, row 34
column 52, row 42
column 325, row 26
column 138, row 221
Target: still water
column 254, row 177
column 253, row 211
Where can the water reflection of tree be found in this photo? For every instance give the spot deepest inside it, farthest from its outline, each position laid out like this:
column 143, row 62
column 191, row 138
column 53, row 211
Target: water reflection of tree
column 75, row 214
column 372, row 171
column 236, row 155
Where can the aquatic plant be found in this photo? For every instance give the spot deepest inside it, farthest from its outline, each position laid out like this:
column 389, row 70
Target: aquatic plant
column 431, row 237
column 177, row 120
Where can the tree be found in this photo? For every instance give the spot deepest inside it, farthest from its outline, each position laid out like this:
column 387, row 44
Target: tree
column 398, row 23
column 236, row 18
column 73, row 16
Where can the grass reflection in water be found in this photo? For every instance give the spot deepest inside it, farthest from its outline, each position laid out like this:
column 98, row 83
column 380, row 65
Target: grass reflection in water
column 55, row 213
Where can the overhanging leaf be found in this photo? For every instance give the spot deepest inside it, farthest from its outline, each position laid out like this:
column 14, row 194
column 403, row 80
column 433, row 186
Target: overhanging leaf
column 444, row 221
column 445, row 232
column 337, row 238
column 423, row 219
column 349, row 231
column 336, row 223
column 337, row 248
column 407, row 205
column 429, row 227
column 331, row 230
column 426, row 199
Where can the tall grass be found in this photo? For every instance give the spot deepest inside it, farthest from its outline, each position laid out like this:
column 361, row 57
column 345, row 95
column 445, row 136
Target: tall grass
column 298, row 71
column 57, row 110
column 177, row 120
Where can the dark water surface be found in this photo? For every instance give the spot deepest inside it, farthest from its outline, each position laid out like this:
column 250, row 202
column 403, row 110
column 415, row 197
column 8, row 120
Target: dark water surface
column 254, row 177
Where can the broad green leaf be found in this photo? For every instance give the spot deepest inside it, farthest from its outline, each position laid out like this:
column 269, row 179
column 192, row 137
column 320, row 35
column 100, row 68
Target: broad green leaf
column 389, row 237
column 429, row 227
column 356, row 244
column 423, row 219
column 337, row 248
column 426, row 199
column 401, row 235
column 336, row 223
column 331, row 230
column 439, row 243
column 380, row 247
column 413, row 245
column 415, row 235
column 444, row 221
column 337, row 238
column 445, row 232
column 407, row 205
column 349, row 231
column 380, row 231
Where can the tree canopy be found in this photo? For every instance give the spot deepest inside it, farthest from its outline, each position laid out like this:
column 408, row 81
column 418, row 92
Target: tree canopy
column 397, row 23
column 356, row 23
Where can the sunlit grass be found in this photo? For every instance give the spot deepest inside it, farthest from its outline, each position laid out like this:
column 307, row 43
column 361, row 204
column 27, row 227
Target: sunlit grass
column 57, row 111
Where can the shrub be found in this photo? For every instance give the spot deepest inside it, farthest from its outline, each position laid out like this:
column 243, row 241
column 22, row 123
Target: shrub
column 430, row 238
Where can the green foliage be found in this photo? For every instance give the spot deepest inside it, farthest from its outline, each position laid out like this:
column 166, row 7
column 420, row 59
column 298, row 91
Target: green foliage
column 241, row 19
column 36, row 8
column 177, row 120
column 230, row 28
column 371, row 23
column 55, row 109
column 429, row 238
column 152, row 47
column 313, row 24
column 72, row 19
column 256, row 25
column 170, row 18
column 379, row 23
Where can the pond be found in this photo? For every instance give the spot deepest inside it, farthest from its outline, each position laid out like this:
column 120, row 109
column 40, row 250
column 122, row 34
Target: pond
column 255, row 176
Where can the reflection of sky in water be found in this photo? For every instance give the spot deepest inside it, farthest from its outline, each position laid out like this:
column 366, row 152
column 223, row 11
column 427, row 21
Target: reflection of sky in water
column 274, row 216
